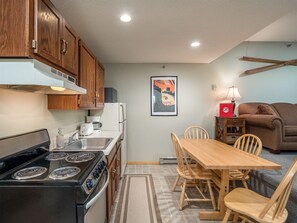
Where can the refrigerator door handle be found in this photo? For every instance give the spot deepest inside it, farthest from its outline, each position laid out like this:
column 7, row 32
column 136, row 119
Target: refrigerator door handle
column 122, row 113
column 123, row 131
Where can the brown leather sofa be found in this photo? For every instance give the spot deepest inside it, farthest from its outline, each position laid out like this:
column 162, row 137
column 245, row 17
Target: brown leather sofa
column 275, row 124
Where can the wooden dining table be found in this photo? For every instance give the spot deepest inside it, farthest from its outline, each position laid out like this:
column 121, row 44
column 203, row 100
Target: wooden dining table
column 214, row 155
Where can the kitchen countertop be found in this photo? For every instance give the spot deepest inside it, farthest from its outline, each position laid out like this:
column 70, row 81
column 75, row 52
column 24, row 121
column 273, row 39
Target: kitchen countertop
column 115, row 135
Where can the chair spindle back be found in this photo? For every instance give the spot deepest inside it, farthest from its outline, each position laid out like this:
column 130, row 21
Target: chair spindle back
column 196, row 132
column 249, row 143
column 181, row 155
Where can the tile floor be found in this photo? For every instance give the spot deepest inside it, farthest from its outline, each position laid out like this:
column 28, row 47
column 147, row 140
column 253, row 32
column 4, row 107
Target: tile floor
column 163, row 176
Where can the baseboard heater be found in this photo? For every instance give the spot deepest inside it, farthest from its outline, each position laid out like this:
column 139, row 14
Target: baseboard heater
column 168, row 160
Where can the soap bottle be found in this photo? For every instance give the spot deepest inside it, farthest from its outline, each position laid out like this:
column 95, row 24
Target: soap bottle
column 60, row 139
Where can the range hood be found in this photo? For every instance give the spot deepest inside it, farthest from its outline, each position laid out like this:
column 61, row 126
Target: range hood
column 34, row 76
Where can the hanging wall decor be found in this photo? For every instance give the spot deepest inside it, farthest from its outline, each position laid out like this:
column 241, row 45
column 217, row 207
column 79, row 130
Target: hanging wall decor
column 164, row 95
column 275, row 64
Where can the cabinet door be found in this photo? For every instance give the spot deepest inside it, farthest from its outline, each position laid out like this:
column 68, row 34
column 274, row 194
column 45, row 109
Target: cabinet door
column 14, row 31
column 48, row 26
column 69, row 49
column 118, row 167
column 111, row 188
column 99, row 85
column 87, row 77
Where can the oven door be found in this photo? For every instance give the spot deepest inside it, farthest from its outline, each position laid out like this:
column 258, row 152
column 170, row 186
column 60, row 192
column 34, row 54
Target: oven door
column 94, row 210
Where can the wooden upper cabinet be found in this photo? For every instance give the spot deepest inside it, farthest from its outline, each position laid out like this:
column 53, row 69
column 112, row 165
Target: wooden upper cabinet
column 14, row 28
column 36, row 29
column 99, row 85
column 48, row 31
column 69, row 48
column 91, row 77
column 87, row 76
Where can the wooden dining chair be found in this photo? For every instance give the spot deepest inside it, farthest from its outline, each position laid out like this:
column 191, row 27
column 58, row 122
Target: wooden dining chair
column 248, row 143
column 196, row 132
column 248, row 204
column 190, row 175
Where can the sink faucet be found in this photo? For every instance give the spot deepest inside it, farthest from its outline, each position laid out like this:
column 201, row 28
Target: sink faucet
column 73, row 138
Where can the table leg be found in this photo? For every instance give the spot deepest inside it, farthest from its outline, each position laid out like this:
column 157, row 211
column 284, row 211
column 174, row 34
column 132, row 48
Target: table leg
column 224, row 190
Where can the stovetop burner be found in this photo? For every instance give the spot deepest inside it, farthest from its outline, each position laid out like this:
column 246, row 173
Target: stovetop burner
column 64, row 173
column 29, row 172
column 56, row 156
column 80, row 157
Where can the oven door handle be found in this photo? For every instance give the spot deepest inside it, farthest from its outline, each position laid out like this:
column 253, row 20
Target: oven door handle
column 94, row 199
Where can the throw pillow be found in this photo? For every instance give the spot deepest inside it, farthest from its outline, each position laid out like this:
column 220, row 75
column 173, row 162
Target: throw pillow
column 265, row 110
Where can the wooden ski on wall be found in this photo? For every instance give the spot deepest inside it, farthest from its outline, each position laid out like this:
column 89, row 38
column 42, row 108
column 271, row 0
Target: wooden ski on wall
column 275, row 64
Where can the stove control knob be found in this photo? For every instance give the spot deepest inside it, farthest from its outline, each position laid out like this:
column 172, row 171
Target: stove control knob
column 99, row 168
column 89, row 184
column 96, row 173
column 102, row 164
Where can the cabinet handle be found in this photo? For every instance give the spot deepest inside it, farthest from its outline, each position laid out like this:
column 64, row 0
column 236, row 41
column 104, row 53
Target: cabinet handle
column 63, row 46
column 114, row 171
column 66, row 47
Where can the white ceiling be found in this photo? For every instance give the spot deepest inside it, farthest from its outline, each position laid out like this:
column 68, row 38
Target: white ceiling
column 161, row 30
column 284, row 29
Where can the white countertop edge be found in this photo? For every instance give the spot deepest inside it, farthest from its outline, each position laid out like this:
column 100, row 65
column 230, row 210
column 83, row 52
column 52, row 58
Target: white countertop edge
column 115, row 135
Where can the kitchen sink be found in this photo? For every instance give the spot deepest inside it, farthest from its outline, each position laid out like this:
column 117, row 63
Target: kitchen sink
column 91, row 144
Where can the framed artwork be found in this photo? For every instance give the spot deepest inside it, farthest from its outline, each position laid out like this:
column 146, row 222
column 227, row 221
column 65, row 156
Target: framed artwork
column 164, row 96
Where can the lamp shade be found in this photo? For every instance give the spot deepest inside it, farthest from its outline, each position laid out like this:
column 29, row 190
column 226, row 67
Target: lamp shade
column 233, row 93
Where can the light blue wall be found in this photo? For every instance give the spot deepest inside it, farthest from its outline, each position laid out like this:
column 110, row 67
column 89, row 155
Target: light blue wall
column 149, row 137
column 271, row 86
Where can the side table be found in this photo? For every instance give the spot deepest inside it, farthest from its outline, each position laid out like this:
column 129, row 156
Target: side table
column 228, row 130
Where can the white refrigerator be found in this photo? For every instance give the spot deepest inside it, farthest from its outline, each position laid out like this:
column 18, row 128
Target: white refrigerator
column 113, row 118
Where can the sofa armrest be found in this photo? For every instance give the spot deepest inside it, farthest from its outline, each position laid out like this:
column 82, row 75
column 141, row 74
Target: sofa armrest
column 267, row 121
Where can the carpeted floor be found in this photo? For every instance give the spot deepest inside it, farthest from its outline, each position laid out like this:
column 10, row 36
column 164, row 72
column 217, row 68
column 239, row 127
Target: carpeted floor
column 138, row 202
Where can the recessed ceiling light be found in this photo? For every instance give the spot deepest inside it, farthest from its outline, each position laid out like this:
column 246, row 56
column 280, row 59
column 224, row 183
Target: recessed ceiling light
column 195, row 44
column 125, row 18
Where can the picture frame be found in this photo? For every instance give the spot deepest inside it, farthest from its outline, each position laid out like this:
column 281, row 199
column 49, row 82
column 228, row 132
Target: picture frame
column 164, row 96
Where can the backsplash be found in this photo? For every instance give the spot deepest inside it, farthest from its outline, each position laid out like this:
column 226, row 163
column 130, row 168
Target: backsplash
column 22, row 112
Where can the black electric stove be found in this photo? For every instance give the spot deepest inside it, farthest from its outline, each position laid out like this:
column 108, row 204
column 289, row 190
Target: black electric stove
column 37, row 185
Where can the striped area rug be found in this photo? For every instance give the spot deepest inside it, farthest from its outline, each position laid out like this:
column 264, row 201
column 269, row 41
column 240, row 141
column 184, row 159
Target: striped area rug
column 138, row 202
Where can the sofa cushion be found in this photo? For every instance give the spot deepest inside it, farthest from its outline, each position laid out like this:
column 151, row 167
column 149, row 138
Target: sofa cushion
column 267, row 121
column 249, row 107
column 290, row 130
column 287, row 111
column 265, row 109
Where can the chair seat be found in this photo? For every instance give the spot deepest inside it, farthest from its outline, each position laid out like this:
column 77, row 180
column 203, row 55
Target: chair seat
column 197, row 173
column 247, row 202
column 233, row 175
column 237, row 175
